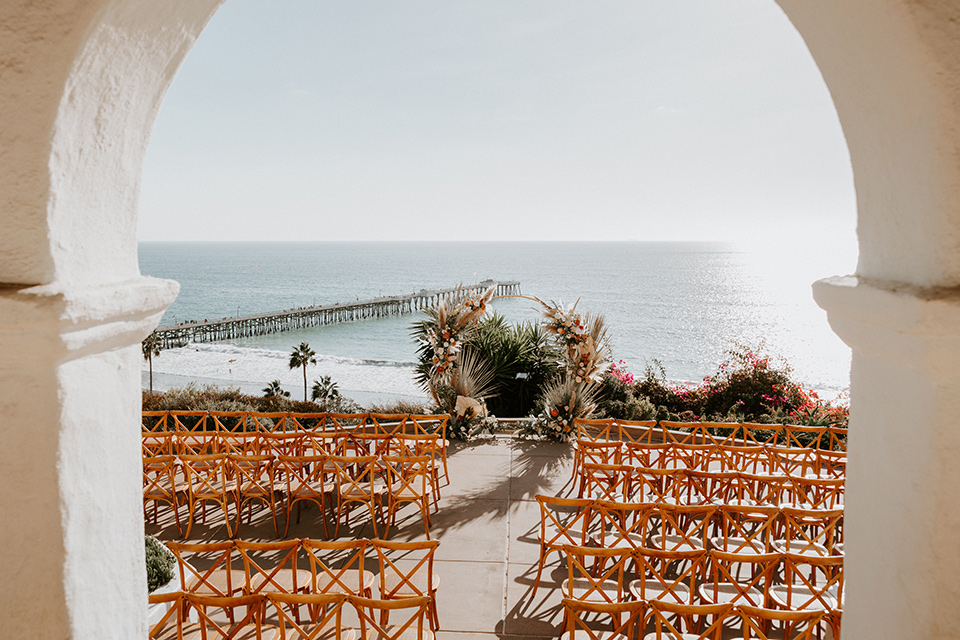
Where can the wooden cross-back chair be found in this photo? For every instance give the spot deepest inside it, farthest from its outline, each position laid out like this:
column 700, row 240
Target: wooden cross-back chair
column 667, row 575
column 819, row 493
column 804, row 436
column 188, row 420
column 612, row 482
column 705, row 487
column 563, row 522
column 762, row 490
column 792, row 461
column 684, row 433
column 348, row 422
column 426, row 425
column 304, row 479
column 692, row 456
column 207, row 482
column 170, row 624
column 810, row 531
column 357, row 482
column 307, row 421
column 160, row 484
column 151, row 421
column 221, row 577
column 626, row 619
column 406, row 571
column 282, row 443
column 272, row 567
column 655, row 484
column 337, row 566
column 810, row 582
column 644, row 454
column 253, row 477
column 738, row 578
column 672, row 621
column 836, row 439
column 744, row 458
column 159, row 443
column 324, row 621
column 269, row 421
column 409, row 479
column 596, row 430
column 410, row 618
column 595, row 452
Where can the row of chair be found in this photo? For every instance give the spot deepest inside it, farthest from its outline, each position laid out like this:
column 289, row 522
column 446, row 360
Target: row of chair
column 759, row 459
column 239, row 421
column 286, row 482
column 663, row 620
column 626, row 483
column 666, row 528
column 323, row 619
column 727, row 433
column 306, row 566
column 788, row 581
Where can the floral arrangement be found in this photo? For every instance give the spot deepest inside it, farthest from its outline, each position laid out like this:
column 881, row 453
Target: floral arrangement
column 446, row 335
column 585, row 358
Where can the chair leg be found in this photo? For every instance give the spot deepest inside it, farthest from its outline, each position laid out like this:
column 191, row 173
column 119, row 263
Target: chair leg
column 536, row 583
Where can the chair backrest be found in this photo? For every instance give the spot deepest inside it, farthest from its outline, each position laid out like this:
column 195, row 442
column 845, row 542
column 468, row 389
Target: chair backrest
column 682, row 526
column 160, row 478
column 746, row 529
column 738, row 578
column 325, row 610
column 388, row 424
column 811, row 531
column 283, row 443
column 358, row 484
column 596, row 574
column 673, row 621
column 620, row 524
column 639, row 431
column 811, row 582
column 599, row 430
column 655, row 484
column 336, row 566
column 607, row 481
column 173, row 617
column 819, row 493
column 770, row 624
column 761, row 434
column 409, row 618
column 625, row 619
column 600, row 452
column 644, row 454
column 193, row 579
column 409, row 476
column 303, row 476
column 668, row 575
column 279, row 574
column 160, row 443
column 210, row 627
column 153, row 421
column 692, row 456
column 744, row 458
column 808, row 436
column 564, row 521
column 707, row 487
column 406, row 568
column 206, row 475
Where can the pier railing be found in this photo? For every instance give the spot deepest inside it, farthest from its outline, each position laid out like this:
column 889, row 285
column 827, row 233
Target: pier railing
column 315, row 316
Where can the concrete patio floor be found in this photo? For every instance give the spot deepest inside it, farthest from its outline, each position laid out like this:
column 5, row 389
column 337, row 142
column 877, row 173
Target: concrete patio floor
column 487, row 526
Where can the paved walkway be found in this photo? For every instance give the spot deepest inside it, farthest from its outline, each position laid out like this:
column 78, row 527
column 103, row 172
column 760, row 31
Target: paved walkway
column 487, row 527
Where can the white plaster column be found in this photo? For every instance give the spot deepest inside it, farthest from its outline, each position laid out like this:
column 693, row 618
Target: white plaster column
column 80, row 85
column 903, row 478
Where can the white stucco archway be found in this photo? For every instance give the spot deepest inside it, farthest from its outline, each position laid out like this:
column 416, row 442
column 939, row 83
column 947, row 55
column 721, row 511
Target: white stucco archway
column 80, row 85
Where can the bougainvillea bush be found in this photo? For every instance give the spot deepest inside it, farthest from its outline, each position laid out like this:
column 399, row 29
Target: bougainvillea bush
column 749, row 386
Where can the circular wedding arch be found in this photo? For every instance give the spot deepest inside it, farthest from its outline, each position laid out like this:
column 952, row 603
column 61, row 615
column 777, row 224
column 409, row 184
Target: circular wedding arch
column 80, row 85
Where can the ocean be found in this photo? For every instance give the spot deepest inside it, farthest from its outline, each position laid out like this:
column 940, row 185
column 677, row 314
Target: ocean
column 682, row 303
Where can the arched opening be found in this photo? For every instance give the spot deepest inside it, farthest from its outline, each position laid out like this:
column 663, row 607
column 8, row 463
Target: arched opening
column 85, row 90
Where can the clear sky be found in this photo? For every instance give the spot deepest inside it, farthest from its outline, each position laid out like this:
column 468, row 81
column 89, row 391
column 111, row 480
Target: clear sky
column 525, row 119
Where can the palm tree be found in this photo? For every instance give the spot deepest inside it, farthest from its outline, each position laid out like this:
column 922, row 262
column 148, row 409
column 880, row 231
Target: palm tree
column 325, row 392
column 151, row 346
column 274, row 390
column 301, row 357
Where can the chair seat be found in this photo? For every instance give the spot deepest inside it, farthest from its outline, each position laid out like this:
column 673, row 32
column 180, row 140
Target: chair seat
column 218, row 580
column 800, row 547
column 581, row 587
column 408, row 634
column 742, row 546
column 672, row 542
column 282, row 582
column 326, row 584
column 419, row 581
column 654, row 590
column 409, row 494
column 730, row 593
column 325, row 632
column 616, row 540
column 804, row 598
column 194, row 631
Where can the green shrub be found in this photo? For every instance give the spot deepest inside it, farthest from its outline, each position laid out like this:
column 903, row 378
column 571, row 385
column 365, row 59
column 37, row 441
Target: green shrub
column 160, row 564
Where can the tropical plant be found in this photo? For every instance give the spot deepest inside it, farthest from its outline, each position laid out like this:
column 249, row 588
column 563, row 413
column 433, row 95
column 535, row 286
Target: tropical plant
column 160, row 564
column 325, row 392
column 463, row 393
column 301, row 357
column 274, row 390
column 563, row 400
column 151, row 347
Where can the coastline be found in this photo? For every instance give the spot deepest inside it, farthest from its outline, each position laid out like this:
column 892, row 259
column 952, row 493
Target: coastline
column 167, row 381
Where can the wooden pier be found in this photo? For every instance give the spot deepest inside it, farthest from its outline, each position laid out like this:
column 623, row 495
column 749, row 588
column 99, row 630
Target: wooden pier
column 314, row 316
